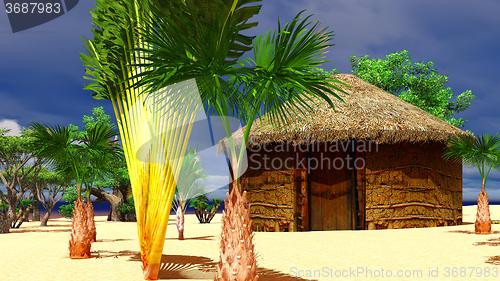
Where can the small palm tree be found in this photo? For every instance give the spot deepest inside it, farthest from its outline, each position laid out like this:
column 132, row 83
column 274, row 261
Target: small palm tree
column 482, row 152
column 188, row 186
column 76, row 157
column 279, row 78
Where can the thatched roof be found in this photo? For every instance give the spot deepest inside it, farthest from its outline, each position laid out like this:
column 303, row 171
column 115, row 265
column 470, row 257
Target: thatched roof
column 368, row 113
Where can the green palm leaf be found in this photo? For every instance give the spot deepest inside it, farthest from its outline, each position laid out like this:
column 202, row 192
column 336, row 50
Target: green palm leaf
column 284, row 81
column 482, row 152
column 204, row 42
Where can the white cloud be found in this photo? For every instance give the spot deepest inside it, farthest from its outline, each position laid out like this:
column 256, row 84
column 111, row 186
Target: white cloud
column 11, row 125
column 213, row 182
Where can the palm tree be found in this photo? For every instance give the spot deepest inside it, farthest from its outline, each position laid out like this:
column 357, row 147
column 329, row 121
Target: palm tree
column 76, row 158
column 135, row 52
column 101, row 151
column 482, row 152
column 188, row 186
column 279, row 79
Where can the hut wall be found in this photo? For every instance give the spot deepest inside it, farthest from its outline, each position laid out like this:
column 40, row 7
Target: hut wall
column 277, row 195
column 275, row 200
column 410, row 185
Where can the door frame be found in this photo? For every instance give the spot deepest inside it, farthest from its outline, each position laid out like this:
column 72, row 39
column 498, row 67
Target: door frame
column 357, row 194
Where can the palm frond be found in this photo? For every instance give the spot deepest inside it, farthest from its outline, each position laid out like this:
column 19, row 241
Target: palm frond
column 110, row 54
column 482, row 152
column 203, row 42
column 285, row 82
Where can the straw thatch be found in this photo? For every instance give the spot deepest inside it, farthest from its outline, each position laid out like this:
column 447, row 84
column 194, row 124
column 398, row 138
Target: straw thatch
column 367, row 113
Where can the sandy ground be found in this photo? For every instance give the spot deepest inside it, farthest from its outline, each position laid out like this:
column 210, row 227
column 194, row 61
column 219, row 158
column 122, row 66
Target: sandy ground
column 443, row 253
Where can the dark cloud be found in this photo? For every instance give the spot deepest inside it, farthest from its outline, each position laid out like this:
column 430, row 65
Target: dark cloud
column 41, row 72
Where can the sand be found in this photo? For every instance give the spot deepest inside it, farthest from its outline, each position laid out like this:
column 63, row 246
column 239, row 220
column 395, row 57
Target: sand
column 443, row 253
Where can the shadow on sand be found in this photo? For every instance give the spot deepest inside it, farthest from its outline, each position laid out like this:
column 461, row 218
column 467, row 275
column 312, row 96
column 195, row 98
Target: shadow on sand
column 209, row 237
column 472, row 232
column 39, row 229
column 495, row 260
column 111, row 240
column 191, row 267
column 490, row 242
column 100, row 254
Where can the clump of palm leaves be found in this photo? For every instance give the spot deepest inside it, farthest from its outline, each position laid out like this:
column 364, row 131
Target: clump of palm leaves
column 204, row 208
column 482, row 152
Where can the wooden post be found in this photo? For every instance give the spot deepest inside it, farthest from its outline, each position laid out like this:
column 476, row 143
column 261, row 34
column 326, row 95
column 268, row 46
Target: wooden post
column 361, row 190
column 305, row 200
column 301, row 199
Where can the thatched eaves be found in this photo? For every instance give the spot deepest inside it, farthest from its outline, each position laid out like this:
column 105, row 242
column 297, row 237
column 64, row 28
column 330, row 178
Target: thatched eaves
column 368, row 113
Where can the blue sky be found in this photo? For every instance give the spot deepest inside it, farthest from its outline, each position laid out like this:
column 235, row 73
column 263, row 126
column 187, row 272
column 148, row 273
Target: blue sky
column 41, row 72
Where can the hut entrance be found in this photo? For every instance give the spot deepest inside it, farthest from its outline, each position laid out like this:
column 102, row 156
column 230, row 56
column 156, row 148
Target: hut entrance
column 331, row 204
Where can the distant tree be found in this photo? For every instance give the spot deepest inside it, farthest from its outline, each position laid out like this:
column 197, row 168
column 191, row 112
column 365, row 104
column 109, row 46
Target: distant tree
column 188, row 186
column 482, row 152
column 114, row 187
column 204, row 208
column 126, row 210
column 70, row 195
column 111, row 177
column 418, row 83
column 98, row 116
column 325, row 73
column 81, row 157
column 17, row 162
column 50, row 187
column 23, row 209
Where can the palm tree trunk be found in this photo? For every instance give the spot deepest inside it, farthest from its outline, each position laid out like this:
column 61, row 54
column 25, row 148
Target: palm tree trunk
column 79, row 245
column 150, row 270
column 45, row 218
column 89, row 208
column 483, row 220
column 180, row 221
column 236, row 263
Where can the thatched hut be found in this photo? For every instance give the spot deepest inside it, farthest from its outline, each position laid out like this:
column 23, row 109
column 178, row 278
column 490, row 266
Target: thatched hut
column 299, row 177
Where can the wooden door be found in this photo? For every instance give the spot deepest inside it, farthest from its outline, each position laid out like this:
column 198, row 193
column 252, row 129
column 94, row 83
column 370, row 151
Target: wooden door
column 331, row 204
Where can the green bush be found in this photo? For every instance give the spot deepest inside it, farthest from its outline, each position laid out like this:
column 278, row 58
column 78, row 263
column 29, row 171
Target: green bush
column 70, row 195
column 127, row 210
column 3, row 206
column 25, row 203
column 66, row 210
column 127, row 207
column 205, row 209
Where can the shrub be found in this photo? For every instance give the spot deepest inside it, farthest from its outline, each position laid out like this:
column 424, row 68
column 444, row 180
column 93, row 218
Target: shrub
column 66, row 210
column 3, row 207
column 70, row 196
column 127, row 210
column 204, row 208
